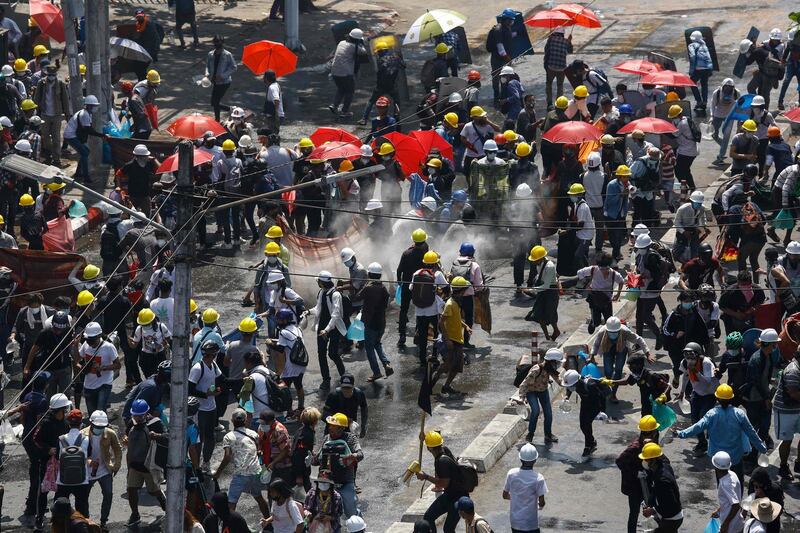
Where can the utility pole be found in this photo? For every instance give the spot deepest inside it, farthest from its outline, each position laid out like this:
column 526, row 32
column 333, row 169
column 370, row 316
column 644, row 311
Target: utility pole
column 75, row 92
column 291, row 17
column 176, row 457
column 96, row 38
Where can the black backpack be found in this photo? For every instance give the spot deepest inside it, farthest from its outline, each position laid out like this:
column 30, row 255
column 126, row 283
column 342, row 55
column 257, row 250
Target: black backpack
column 491, row 39
column 279, row 398
column 604, row 87
column 469, row 474
column 72, row 461
column 298, row 355
column 697, row 135
column 423, row 293
column 109, row 242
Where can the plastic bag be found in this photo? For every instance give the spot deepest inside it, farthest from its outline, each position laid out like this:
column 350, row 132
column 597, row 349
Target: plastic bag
column 7, row 435
column 632, row 294
column 663, row 414
column 77, row 209
column 356, row 331
column 783, row 220
column 713, row 526
column 592, row 371
column 50, row 476
column 397, row 294
column 59, row 236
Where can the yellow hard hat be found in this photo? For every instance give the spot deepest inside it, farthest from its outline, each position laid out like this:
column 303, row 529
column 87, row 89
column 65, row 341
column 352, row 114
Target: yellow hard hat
column 749, row 125
column 435, row 163
column 85, row 298
column 82, row 69
column 28, row 104
column 477, row 112
column 523, row 149
column 419, row 235
column 90, row 272
column 316, row 161
column 442, row 48
column 452, row 119
column 651, row 450
column 580, row 91
column 724, row 392
column 338, row 419
column 248, row 325
column 210, row 316
column 228, row 145
column 562, row 102
column 537, row 252
column 674, row 111
column 648, row 423
column 345, row 166
column 433, row 439
column 2, row 220
column 623, row 170
column 39, row 50
column 145, row 317
column 32, row 22
column 510, row 135
column 26, row 200
column 305, row 142
column 52, row 187
column 274, row 232
column 430, row 258
column 672, row 96
column 153, row 76
column 192, row 305
column 607, row 139
column 20, row 65
column 380, row 46
column 386, row 149
column 272, row 248
column 576, row 188
column 459, row 282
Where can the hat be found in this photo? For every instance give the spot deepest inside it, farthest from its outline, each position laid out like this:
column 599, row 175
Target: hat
column 465, row 504
column 356, row 33
column 765, row 510
column 239, row 415
column 721, row 460
column 75, row 415
column 167, row 178
column 347, row 380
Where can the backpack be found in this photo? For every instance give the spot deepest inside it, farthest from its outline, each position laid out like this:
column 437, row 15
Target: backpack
column 666, row 255
column 469, row 474
column 665, row 268
column 109, row 242
column 604, row 87
column 298, row 355
column 91, row 526
column 279, row 398
column 697, row 135
column 461, row 269
column 491, row 40
column 72, row 461
column 424, row 293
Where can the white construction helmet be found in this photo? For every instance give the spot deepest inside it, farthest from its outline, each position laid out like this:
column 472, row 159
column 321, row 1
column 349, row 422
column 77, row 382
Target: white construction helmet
column 237, row 112
column 523, row 191
column 594, row 160
column 640, row 229
column 375, row 268
column 140, row 149
column 59, row 401
column 528, row 453
column 554, row 354
column 758, row 100
column 366, row 150
column 355, row 524
column 99, row 418
column 775, row 34
column 697, row 196
column 643, row 241
column 7, row 71
column 696, row 36
column 245, row 141
column 428, row 203
column 373, row 205
column 506, row 71
column 613, row 324
column 571, row 377
column 745, row 45
column 793, row 248
column 769, row 335
column 347, row 254
column 454, row 98
column 23, row 145
column 490, row 146
column 91, row 100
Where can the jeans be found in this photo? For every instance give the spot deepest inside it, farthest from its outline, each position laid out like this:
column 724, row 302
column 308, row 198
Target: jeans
column 616, row 235
column 405, row 302
column 497, row 64
column 249, row 217
column 217, row 92
column 328, row 348
column 83, row 163
column 727, row 128
column 81, row 493
column 373, row 345
column 683, row 170
column 760, row 417
column 599, row 228
column 613, row 365
column 687, row 246
column 534, row 400
column 230, row 217
column 444, row 504
column 207, row 425
column 106, row 487
column 749, row 249
column 558, row 76
column 421, row 337
column 349, row 499
column 792, row 71
column 701, row 77
column 97, row 398
column 582, row 253
column 634, row 506
column 700, row 406
column 345, row 87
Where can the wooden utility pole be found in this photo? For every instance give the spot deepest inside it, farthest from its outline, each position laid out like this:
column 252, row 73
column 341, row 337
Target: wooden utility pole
column 75, row 90
column 181, row 353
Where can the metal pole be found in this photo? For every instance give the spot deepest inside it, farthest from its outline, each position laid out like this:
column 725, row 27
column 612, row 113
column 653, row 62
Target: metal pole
column 96, row 39
column 291, row 14
column 75, row 91
column 176, row 455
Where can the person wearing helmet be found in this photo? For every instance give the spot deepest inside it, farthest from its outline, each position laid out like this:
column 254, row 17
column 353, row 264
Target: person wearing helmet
column 613, row 342
column 601, row 281
column 137, row 177
column 687, row 138
column 574, row 241
column 389, row 64
column 757, row 393
column 783, row 194
column 791, row 58
column 351, row 287
column 721, row 103
column 151, row 338
column 445, row 478
column 238, row 126
column 98, row 363
column 523, row 216
column 615, row 209
column 698, row 368
column 596, row 84
column 468, row 268
column 592, row 394
column 141, row 431
column 778, row 153
column 733, row 362
column 738, row 302
column 498, row 44
column 663, row 499
column 768, row 57
column 385, row 120
column 329, row 323
column 32, row 225
column 744, row 147
column 210, row 331
column 555, row 62
column 30, row 133
column 786, row 410
column 577, row 108
column 709, row 311
column 202, row 382
column 440, row 175
column 525, row 488
column 704, row 268
column 523, row 167
column 701, row 66
column 73, row 483
column 376, row 301
column 534, row 389
column 783, row 273
column 410, row 262
column 543, row 288
column 684, row 323
column 391, row 177
column 646, row 177
column 452, row 329
column 488, row 180
column 552, row 152
column 594, row 181
column 630, row 465
column 341, row 459
column 736, row 195
column 30, row 321
column 51, row 347
column 105, row 459
column 269, row 274
column 690, row 228
column 450, row 130
column 344, row 67
column 512, row 94
column 759, row 113
column 229, row 184
column 474, row 134
column 76, row 134
column 426, row 284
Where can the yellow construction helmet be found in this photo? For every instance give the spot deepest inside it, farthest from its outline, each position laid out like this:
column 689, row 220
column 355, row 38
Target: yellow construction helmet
column 523, row 149
column 39, row 50
column 210, row 316
column 648, row 423
column 248, row 325
column 433, row 439
column 672, row 96
column 419, row 235
column 346, row 166
column 562, row 102
column 90, row 272
column 274, row 232
column 435, row 163
column 305, row 142
column 82, row 69
column 623, row 170
column 20, row 65
column 749, row 125
column 228, row 145
column 724, row 392
column 338, row 419
column 28, row 104
column 85, row 298
column 192, row 305
column 477, row 112
column 580, row 91
column 2, row 220
column 537, row 252
column 53, row 187
column 153, row 76
column 272, row 248
column 145, row 317
column 651, row 450
column 452, row 119
column 26, row 200
column 674, row 111
column 576, row 188
column 459, row 282
column 430, row 258
column 510, row 135
column 380, row 46
column 386, row 149
column 442, row 48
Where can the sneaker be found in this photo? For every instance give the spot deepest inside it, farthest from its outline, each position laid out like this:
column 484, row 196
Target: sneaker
column 134, row 520
column 772, row 235
column 549, row 439
column 27, row 520
column 659, row 342
column 104, row 527
column 38, row 526
column 781, row 106
column 590, row 328
column 333, row 109
column 589, row 450
column 346, row 114
column 325, row 385
column 785, row 473
column 362, row 122
column 718, row 162
column 401, row 342
column 468, row 346
column 700, row 450
column 451, row 390
column 205, row 467
column 529, row 437
column 388, row 369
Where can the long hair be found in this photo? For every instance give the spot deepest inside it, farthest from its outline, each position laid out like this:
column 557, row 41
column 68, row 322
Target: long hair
column 62, row 525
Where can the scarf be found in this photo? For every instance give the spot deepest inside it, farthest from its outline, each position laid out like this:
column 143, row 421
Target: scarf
column 140, row 26
column 605, row 344
column 31, row 320
column 693, row 371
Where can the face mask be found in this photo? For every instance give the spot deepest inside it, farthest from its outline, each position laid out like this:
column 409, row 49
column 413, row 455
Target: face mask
column 324, row 487
column 272, row 286
column 272, row 260
column 51, row 77
column 365, row 160
column 648, row 92
column 387, row 158
column 686, row 305
column 574, row 199
column 349, row 263
column 431, row 173
column 613, row 335
column 97, row 431
column 569, row 153
column 696, row 205
column 490, row 156
column 264, row 428
column 758, row 112
column 641, row 251
column 141, row 160
column 792, row 259
column 231, row 157
column 646, row 465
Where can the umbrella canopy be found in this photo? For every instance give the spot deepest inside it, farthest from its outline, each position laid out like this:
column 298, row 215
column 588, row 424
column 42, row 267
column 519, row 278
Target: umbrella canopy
column 429, row 139
column 408, row 150
column 323, row 135
column 572, row 132
column 668, row 78
column 194, row 126
column 550, row 19
column 128, row 49
column 262, row 56
column 649, row 125
column 793, row 115
column 582, row 16
column 49, row 19
column 433, row 23
column 170, row 164
column 638, row 66
column 336, row 150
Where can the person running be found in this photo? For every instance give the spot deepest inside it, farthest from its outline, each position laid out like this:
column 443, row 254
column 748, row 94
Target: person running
column 534, row 390
column 729, row 494
column 592, row 404
column 664, row 502
column 446, row 478
column 630, row 466
column 452, row 328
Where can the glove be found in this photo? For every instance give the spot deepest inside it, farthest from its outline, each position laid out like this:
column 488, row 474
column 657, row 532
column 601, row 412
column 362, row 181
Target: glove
column 662, row 399
column 606, row 381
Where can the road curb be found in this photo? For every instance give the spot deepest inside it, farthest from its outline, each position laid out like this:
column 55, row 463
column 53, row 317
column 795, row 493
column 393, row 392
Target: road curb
column 84, row 225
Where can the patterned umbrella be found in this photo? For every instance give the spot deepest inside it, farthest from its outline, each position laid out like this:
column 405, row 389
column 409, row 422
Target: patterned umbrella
column 433, row 23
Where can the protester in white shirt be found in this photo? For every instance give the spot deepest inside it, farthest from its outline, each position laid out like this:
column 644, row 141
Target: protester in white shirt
column 526, row 489
column 202, row 384
column 729, row 493
column 78, row 484
column 99, row 359
column 286, row 515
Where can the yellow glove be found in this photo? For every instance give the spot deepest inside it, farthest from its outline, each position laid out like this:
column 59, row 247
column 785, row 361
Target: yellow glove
column 662, row 399
column 606, row 381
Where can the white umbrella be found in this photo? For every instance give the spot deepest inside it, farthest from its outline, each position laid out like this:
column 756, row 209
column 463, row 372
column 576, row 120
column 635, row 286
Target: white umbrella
column 128, row 49
column 433, row 23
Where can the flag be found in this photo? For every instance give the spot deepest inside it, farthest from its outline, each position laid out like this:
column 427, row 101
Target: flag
column 424, row 398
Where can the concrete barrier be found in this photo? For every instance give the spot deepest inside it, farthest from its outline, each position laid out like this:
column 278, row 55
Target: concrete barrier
column 401, row 527
column 496, row 438
column 417, row 509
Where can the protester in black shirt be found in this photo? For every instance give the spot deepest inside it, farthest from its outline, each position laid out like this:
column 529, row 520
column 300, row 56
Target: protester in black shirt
column 53, row 351
column 348, row 399
column 116, row 313
column 447, row 478
column 223, row 519
column 410, row 262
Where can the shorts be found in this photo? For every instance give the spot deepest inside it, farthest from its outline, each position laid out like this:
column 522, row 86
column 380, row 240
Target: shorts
column 136, row 479
column 787, row 425
column 244, row 484
column 296, row 381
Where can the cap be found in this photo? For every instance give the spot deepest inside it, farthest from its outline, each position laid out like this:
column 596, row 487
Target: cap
column 75, row 415
column 465, row 504
column 347, row 381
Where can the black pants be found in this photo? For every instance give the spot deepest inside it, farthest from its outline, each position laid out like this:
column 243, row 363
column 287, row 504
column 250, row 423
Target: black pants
column 669, row 526
column 676, row 356
column 683, row 170
column 36, row 503
column 421, row 337
column 444, row 504
column 601, row 309
column 497, row 64
column 634, row 507
column 328, row 348
column 217, row 92
column 81, row 493
column 749, row 250
column 9, row 198
column 149, row 362
column 520, row 261
column 276, row 10
column 616, row 235
column 761, row 153
column 586, row 417
column 230, row 217
column 207, row 425
column 643, row 212
column 314, row 216
column 132, row 373
column 345, row 87
column 186, row 18
column 468, row 310
column 645, row 317
column 405, row 302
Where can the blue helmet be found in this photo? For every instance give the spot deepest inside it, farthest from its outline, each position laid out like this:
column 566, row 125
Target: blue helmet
column 139, row 407
column 467, row 248
column 285, row 314
column 625, row 109
column 460, row 196
column 508, row 13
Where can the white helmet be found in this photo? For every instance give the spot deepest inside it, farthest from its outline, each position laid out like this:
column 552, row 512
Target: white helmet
column 490, row 145
column 793, row 248
column 554, row 354
column 696, row 36
column 454, row 98
column 373, row 204
column 7, row 71
column 375, row 268
column 571, row 377
column 99, row 419
column 745, row 45
column 356, row 33
column 23, row 145
column 769, row 335
column 721, row 460
column 355, row 524
column 640, row 229
column 91, row 100
column 697, row 196
column 613, row 324
column 347, row 254
column 523, row 191
column 775, row 34
column 758, row 100
column 728, row 82
column 324, row 275
column 245, row 141
column 594, row 160
column 428, row 203
column 528, row 453
column 59, row 401
column 35, row 120
column 506, row 71
column 275, row 276
column 643, row 241
column 366, row 150
column 140, row 149
column 93, row 329
column 237, row 112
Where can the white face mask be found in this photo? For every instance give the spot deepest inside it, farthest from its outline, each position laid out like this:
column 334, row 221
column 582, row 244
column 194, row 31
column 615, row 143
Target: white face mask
column 324, row 486
column 575, row 199
column 365, row 160
column 272, row 260
column 646, row 465
column 387, row 158
column 641, row 251
column 490, row 156
column 757, row 112
column 263, row 428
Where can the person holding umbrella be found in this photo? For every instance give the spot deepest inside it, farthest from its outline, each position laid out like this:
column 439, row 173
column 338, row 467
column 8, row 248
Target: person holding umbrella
column 555, row 62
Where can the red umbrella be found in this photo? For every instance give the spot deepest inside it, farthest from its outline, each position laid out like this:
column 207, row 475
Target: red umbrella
column 429, row 139
column 408, row 150
column 262, row 56
column 793, row 115
column 336, row 150
column 649, row 125
column 323, row 135
column 572, row 132
column 194, row 126
column 49, row 19
column 667, row 78
column 170, row 164
column 550, row 19
column 638, row 66
column 582, row 16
